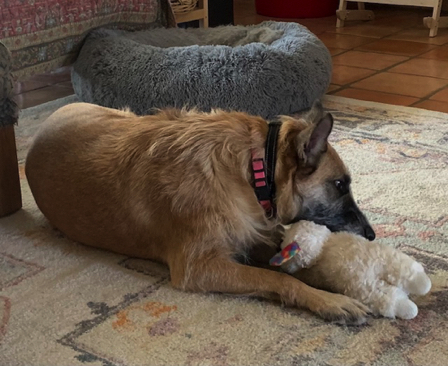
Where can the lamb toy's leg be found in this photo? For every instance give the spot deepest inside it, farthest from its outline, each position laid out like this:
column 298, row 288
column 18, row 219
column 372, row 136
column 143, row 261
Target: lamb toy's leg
column 404, row 272
column 390, row 301
column 419, row 283
column 401, row 275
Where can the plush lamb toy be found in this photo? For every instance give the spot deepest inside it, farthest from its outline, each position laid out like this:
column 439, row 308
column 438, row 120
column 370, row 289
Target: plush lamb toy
column 378, row 275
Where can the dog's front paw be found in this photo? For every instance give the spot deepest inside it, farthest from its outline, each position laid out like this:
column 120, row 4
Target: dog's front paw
column 340, row 309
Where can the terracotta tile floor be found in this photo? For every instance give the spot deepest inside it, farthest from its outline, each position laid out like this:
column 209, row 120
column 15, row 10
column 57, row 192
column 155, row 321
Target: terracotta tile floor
column 389, row 60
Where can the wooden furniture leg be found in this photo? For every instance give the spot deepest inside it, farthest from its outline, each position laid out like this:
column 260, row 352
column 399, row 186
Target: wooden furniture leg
column 436, row 17
column 200, row 13
column 203, row 23
column 435, row 22
column 10, row 194
column 342, row 8
column 360, row 14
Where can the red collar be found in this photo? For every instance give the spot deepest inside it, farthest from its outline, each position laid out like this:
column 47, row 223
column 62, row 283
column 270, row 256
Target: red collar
column 264, row 171
column 260, row 184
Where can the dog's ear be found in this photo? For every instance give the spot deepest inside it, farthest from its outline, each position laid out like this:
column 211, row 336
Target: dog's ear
column 313, row 141
column 315, row 113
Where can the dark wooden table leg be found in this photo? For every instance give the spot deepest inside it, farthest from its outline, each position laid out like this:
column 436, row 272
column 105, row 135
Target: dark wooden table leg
column 10, row 194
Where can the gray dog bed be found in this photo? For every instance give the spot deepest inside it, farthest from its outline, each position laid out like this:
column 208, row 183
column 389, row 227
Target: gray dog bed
column 267, row 69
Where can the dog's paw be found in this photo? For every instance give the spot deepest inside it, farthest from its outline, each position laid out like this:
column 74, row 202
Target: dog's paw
column 341, row 309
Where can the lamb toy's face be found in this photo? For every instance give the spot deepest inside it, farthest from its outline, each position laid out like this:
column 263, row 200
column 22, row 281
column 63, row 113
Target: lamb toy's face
column 301, row 246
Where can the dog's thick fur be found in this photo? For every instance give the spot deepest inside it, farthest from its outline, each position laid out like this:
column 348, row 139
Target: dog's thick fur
column 177, row 187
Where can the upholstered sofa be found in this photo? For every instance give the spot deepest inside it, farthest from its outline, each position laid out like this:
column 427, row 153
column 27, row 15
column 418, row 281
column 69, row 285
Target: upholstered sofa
column 36, row 37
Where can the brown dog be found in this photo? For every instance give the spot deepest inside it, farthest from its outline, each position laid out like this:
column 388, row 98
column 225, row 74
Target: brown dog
column 177, row 187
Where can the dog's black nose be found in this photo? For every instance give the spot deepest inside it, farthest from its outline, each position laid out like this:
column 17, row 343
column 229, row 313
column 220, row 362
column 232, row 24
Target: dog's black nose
column 369, row 233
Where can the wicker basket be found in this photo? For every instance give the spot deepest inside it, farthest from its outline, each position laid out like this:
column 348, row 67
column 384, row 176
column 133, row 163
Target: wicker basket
column 183, row 6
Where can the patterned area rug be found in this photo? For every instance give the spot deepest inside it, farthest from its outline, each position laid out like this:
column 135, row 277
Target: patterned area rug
column 65, row 304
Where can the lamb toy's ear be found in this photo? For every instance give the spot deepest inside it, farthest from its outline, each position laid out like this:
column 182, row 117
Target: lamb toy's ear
column 301, row 247
column 286, row 254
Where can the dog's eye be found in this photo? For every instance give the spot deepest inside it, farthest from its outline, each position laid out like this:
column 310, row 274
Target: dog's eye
column 341, row 186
